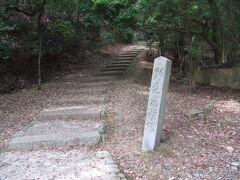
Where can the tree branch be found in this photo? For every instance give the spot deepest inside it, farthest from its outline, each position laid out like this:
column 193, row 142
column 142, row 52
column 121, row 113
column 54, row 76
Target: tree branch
column 183, row 30
column 20, row 11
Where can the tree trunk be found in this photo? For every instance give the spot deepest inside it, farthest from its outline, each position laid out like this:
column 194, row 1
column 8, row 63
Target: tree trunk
column 217, row 32
column 39, row 29
column 180, row 44
column 191, row 63
column 39, row 64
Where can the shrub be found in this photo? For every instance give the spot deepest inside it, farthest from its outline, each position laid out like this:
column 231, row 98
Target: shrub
column 123, row 35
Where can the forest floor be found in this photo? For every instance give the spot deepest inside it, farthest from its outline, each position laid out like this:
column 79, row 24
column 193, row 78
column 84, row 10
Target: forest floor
column 195, row 149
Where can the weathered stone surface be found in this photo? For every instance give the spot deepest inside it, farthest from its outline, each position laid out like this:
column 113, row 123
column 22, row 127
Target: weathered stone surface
column 200, row 114
column 194, row 113
column 101, row 78
column 122, row 62
column 124, row 58
column 134, row 52
column 156, row 103
column 219, row 76
column 71, row 113
column 78, row 84
column 77, row 100
column 68, row 165
column 118, row 65
column 114, row 69
column 88, row 91
column 54, row 134
column 95, row 84
column 109, row 73
column 128, row 55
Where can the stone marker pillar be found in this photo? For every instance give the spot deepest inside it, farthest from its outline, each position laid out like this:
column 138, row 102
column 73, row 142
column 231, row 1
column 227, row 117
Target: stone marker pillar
column 156, row 103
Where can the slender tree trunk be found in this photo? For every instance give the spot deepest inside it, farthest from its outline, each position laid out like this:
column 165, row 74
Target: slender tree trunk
column 39, row 64
column 180, row 44
column 40, row 32
column 217, row 32
column 191, row 63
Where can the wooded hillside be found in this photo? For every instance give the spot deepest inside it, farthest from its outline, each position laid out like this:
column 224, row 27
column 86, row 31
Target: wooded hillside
column 44, row 32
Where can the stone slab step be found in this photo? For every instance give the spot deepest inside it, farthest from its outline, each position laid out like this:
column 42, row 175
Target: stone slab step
column 55, row 134
column 97, row 84
column 79, row 84
column 110, row 73
column 121, row 63
column 134, row 52
column 128, row 55
column 137, row 50
column 118, row 66
column 77, row 100
column 72, row 112
column 68, row 165
column 88, row 91
column 100, row 78
column 124, row 58
column 114, row 69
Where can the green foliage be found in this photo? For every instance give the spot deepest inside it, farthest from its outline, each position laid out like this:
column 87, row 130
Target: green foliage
column 64, row 27
column 53, row 43
column 213, row 21
column 119, row 18
column 123, row 35
column 44, row 32
column 56, row 27
column 5, row 51
column 60, row 24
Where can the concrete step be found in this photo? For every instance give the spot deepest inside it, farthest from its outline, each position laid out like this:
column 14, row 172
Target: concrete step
column 121, row 63
column 88, row 91
column 79, row 84
column 55, row 134
column 130, row 54
column 79, row 101
column 114, row 69
column 100, row 78
column 135, row 52
column 118, row 66
column 97, row 84
column 127, row 55
column 73, row 112
column 71, row 164
column 124, row 58
column 109, row 73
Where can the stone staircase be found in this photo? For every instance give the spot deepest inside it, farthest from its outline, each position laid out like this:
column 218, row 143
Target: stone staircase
column 75, row 120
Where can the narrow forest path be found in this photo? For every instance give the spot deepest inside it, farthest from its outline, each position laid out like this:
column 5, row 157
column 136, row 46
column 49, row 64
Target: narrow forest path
column 53, row 146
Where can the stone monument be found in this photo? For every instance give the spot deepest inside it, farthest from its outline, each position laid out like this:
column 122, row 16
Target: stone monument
column 156, row 103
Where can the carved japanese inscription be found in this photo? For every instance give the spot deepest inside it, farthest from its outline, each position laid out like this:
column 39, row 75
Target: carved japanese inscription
column 156, row 103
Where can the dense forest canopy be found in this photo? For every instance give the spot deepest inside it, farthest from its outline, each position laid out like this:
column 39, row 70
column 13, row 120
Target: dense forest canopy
column 198, row 32
column 214, row 22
